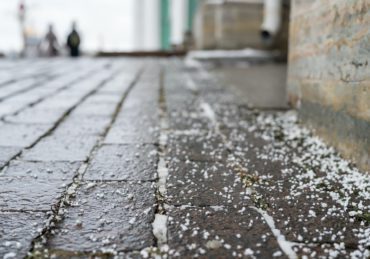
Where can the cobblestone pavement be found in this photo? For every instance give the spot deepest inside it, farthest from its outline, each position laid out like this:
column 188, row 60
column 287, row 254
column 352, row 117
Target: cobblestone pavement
column 135, row 158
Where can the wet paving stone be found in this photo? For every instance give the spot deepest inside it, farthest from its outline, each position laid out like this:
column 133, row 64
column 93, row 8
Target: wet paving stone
column 141, row 102
column 103, row 97
column 205, row 184
column 141, row 136
column 129, row 129
column 62, row 254
column 87, row 126
column 233, row 116
column 114, row 215
column 208, row 147
column 306, row 215
column 124, row 162
column 21, row 135
column 95, row 109
column 239, row 182
column 216, row 232
column 138, row 114
column 30, row 193
column 176, row 102
column 41, row 170
column 222, row 97
column 39, row 116
column 188, row 120
column 135, row 105
column 307, row 190
column 62, row 148
column 17, row 230
column 7, row 153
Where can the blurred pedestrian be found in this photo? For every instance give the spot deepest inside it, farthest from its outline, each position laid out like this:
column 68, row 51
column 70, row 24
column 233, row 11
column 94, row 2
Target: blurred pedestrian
column 73, row 42
column 52, row 42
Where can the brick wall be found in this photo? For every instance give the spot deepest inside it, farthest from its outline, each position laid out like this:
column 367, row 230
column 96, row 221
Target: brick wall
column 329, row 72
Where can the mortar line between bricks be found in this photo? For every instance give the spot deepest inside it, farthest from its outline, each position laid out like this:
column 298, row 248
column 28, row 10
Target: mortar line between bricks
column 285, row 245
column 63, row 88
column 71, row 188
column 119, row 181
column 61, row 119
column 21, row 78
column 37, row 84
column 159, row 225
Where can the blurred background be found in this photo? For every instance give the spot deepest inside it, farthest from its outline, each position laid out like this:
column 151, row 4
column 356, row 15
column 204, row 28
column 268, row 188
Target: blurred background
column 116, row 26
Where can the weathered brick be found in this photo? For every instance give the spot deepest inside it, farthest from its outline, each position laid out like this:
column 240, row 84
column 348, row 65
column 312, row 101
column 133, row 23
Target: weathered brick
column 208, row 147
column 328, row 68
column 17, row 231
column 123, row 162
column 219, row 232
column 7, row 153
column 30, row 193
column 62, row 148
column 21, row 135
column 112, row 215
column 204, row 184
column 41, row 170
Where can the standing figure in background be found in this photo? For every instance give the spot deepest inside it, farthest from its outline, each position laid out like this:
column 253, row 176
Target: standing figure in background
column 52, row 42
column 73, row 42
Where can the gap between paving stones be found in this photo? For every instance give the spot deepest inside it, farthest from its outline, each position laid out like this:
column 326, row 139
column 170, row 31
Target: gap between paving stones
column 90, row 92
column 159, row 224
column 209, row 113
column 38, row 82
column 285, row 245
column 61, row 119
column 37, row 248
column 65, row 86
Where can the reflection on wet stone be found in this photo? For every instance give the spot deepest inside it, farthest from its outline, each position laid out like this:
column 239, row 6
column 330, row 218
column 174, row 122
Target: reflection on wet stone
column 113, row 215
column 124, row 162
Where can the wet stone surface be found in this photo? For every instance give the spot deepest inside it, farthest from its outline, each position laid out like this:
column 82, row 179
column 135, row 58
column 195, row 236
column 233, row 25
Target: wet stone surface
column 39, row 116
column 135, row 125
column 41, row 170
column 111, row 215
column 62, row 148
column 305, row 187
column 30, row 193
column 188, row 120
column 189, row 184
column 17, row 230
column 148, row 159
column 87, row 126
column 124, row 162
column 197, row 147
column 7, row 153
column 212, row 232
column 21, row 135
column 96, row 109
column 129, row 134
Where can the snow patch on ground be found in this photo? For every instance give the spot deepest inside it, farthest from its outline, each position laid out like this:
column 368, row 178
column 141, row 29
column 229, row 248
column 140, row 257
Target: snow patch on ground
column 285, row 245
column 160, row 228
column 162, row 176
column 228, row 54
column 208, row 112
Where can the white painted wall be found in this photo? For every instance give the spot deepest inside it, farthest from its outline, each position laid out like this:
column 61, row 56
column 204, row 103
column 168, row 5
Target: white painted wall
column 178, row 20
column 151, row 18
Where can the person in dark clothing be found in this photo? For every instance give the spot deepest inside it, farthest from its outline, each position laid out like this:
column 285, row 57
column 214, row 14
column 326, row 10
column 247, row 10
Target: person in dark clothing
column 51, row 42
column 73, row 42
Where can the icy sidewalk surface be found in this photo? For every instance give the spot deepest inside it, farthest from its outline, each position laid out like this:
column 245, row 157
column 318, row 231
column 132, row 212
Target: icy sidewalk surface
column 135, row 158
